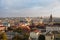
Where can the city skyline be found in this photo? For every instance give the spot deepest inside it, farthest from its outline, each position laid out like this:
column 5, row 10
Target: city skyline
column 31, row 8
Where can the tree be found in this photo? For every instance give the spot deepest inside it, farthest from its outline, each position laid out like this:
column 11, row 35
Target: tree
column 19, row 30
column 41, row 37
column 23, row 32
column 26, row 36
column 17, row 37
column 4, row 36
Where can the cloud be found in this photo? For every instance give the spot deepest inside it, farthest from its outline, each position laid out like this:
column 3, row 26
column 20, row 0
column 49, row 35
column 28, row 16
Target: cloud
column 18, row 4
column 29, row 7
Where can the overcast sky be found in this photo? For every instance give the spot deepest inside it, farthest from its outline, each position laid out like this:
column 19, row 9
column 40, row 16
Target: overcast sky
column 34, row 8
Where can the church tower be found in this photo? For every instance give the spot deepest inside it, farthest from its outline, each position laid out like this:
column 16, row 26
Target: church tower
column 41, row 20
column 50, row 19
column 28, row 19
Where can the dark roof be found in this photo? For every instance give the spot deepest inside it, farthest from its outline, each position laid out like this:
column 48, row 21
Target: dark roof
column 52, row 32
column 57, row 20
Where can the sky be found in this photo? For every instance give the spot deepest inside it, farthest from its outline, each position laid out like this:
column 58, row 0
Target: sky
column 29, row 8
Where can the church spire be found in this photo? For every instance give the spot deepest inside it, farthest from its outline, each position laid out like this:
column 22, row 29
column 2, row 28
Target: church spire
column 50, row 19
